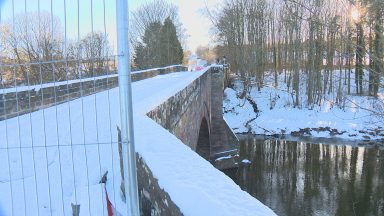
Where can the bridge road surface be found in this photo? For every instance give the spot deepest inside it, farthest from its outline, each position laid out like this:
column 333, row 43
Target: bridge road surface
column 74, row 144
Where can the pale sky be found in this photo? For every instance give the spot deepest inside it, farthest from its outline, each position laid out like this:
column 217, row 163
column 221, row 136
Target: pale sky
column 196, row 23
column 193, row 19
column 190, row 11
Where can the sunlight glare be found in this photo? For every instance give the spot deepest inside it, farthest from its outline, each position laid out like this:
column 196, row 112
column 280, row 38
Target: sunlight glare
column 355, row 14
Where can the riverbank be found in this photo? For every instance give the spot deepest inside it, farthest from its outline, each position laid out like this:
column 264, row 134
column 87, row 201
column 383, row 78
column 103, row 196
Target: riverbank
column 270, row 112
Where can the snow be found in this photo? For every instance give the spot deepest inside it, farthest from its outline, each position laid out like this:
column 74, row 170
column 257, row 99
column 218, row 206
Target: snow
column 51, row 84
column 60, row 83
column 152, row 69
column 246, row 161
column 224, row 158
column 61, row 170
column 278, row 116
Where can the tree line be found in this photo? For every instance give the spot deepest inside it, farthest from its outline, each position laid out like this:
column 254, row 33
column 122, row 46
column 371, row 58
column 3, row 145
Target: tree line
column 337, row 44
column 35, row 50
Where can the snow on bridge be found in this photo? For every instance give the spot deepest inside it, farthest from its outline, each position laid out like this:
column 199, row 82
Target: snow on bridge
column 56, row 156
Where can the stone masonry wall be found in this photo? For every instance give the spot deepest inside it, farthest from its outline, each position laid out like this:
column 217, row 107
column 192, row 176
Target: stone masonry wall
column 154, row 201
column 183, row 113
column 222, row 136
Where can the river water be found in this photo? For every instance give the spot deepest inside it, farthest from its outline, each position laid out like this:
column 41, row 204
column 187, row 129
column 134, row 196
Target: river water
column 296, row 178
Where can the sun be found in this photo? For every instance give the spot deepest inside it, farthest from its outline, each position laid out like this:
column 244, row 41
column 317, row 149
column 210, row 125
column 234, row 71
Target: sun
column 356, row 14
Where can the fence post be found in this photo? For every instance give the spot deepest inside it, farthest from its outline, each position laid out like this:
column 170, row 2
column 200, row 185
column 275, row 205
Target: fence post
column 125, row 89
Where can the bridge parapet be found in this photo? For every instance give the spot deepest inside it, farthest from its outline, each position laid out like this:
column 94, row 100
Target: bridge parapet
column 26, row 99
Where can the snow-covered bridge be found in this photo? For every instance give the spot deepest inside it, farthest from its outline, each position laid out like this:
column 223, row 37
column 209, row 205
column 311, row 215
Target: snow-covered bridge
column 54, row 158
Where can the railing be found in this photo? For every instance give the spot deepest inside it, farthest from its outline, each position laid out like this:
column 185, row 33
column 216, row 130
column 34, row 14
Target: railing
column 61, row 146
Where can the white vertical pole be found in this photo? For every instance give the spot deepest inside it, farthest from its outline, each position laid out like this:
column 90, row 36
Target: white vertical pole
column 127, row 135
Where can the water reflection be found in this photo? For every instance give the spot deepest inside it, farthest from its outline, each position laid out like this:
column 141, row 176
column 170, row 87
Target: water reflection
column 312, row 179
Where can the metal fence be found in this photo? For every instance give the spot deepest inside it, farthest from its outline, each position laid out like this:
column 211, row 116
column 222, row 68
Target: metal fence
column 62, row 150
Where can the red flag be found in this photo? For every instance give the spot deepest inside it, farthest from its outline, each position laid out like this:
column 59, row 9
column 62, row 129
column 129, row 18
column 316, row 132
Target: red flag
column 109, row 204
column 111, row 210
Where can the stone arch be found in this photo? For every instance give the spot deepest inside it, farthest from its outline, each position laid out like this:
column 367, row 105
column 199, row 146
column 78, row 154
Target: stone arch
column 203, row 147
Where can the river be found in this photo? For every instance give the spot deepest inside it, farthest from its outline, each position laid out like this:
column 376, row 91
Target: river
column 296, row 178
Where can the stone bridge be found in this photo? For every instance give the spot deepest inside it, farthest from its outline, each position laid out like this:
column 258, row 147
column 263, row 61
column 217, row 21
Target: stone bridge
column 176, row 115
column 195, row 116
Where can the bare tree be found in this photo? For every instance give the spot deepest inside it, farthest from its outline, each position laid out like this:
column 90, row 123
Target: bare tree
column 36, row 37
column 4, row 34
column 93, row 48
column 152, row 12
column 35, row 41
column 206, row 53
column 296, row 36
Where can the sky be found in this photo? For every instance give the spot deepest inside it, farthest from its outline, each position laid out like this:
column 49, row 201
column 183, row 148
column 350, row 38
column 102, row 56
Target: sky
column 197, row 24
column 193, row 19
column 190, row 11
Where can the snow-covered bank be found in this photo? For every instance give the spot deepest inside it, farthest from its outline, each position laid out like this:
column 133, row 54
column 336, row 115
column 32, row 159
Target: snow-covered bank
column 75, row 143
column 277, row 116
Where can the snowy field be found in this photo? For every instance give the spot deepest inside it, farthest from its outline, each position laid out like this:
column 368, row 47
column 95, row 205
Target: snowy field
column 56, row 156
column 277, row 115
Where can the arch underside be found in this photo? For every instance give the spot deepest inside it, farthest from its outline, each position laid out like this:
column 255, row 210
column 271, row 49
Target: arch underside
column 203, row 147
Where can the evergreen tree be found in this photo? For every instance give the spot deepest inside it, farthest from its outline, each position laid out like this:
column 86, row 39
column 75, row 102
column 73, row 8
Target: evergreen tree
column 140, row 57
column 147, row 52
column 160, row 46
column 171, row 50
